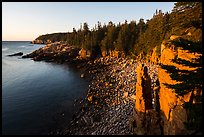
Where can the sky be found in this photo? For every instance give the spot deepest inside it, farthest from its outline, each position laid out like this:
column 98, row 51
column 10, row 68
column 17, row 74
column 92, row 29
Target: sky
column 25, row 21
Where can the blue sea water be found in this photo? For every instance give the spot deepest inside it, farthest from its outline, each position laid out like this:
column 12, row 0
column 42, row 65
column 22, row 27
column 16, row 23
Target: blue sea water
column 37, row 97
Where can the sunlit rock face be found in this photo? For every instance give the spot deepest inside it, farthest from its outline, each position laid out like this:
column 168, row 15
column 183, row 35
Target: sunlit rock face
column 169, row 117
column 172, row 112
column 154, row 57
column 140, row 104
column 146, row 118
column 168, row 98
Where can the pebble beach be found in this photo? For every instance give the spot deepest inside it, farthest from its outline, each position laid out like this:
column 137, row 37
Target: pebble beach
column 109, row 105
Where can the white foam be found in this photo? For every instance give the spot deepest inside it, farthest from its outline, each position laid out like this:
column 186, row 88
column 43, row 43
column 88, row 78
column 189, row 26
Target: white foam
column 4, row 49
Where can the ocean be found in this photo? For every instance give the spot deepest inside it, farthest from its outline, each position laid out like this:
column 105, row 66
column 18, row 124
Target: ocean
column 37, row 97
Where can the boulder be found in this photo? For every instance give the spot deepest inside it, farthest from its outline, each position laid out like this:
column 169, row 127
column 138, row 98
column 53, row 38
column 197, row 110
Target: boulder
column 173, row 37
column 16, row 54
column 74, row 52
column 37, row 41
column 125, row 94
column 82, row 75
column 84, row 53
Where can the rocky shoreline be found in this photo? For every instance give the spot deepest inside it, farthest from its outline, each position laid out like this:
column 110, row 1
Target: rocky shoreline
column 110, row 102
column 109, row 107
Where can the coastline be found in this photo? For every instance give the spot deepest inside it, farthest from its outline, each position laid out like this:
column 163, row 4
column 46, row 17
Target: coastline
column 135, row 77
column 109, row 104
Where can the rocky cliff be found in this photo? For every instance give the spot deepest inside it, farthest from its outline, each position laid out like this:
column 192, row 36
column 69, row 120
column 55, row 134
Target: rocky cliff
column 174, row 115
column 169, row 114
column 147, row 118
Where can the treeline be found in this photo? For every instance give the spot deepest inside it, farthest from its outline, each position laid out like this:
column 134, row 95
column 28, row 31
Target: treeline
column 131, row 38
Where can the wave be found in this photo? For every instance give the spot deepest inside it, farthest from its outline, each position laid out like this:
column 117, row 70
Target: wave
column 4, row 49
column 22, row 46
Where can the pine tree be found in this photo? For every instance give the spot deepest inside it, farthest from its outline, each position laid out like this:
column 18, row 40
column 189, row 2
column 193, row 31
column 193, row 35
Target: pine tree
column 110, row 37
column 192, row 10
column 123, row 40
column 133, row 35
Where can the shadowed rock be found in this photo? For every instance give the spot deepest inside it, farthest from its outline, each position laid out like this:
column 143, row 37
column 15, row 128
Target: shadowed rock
column 16, row 54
